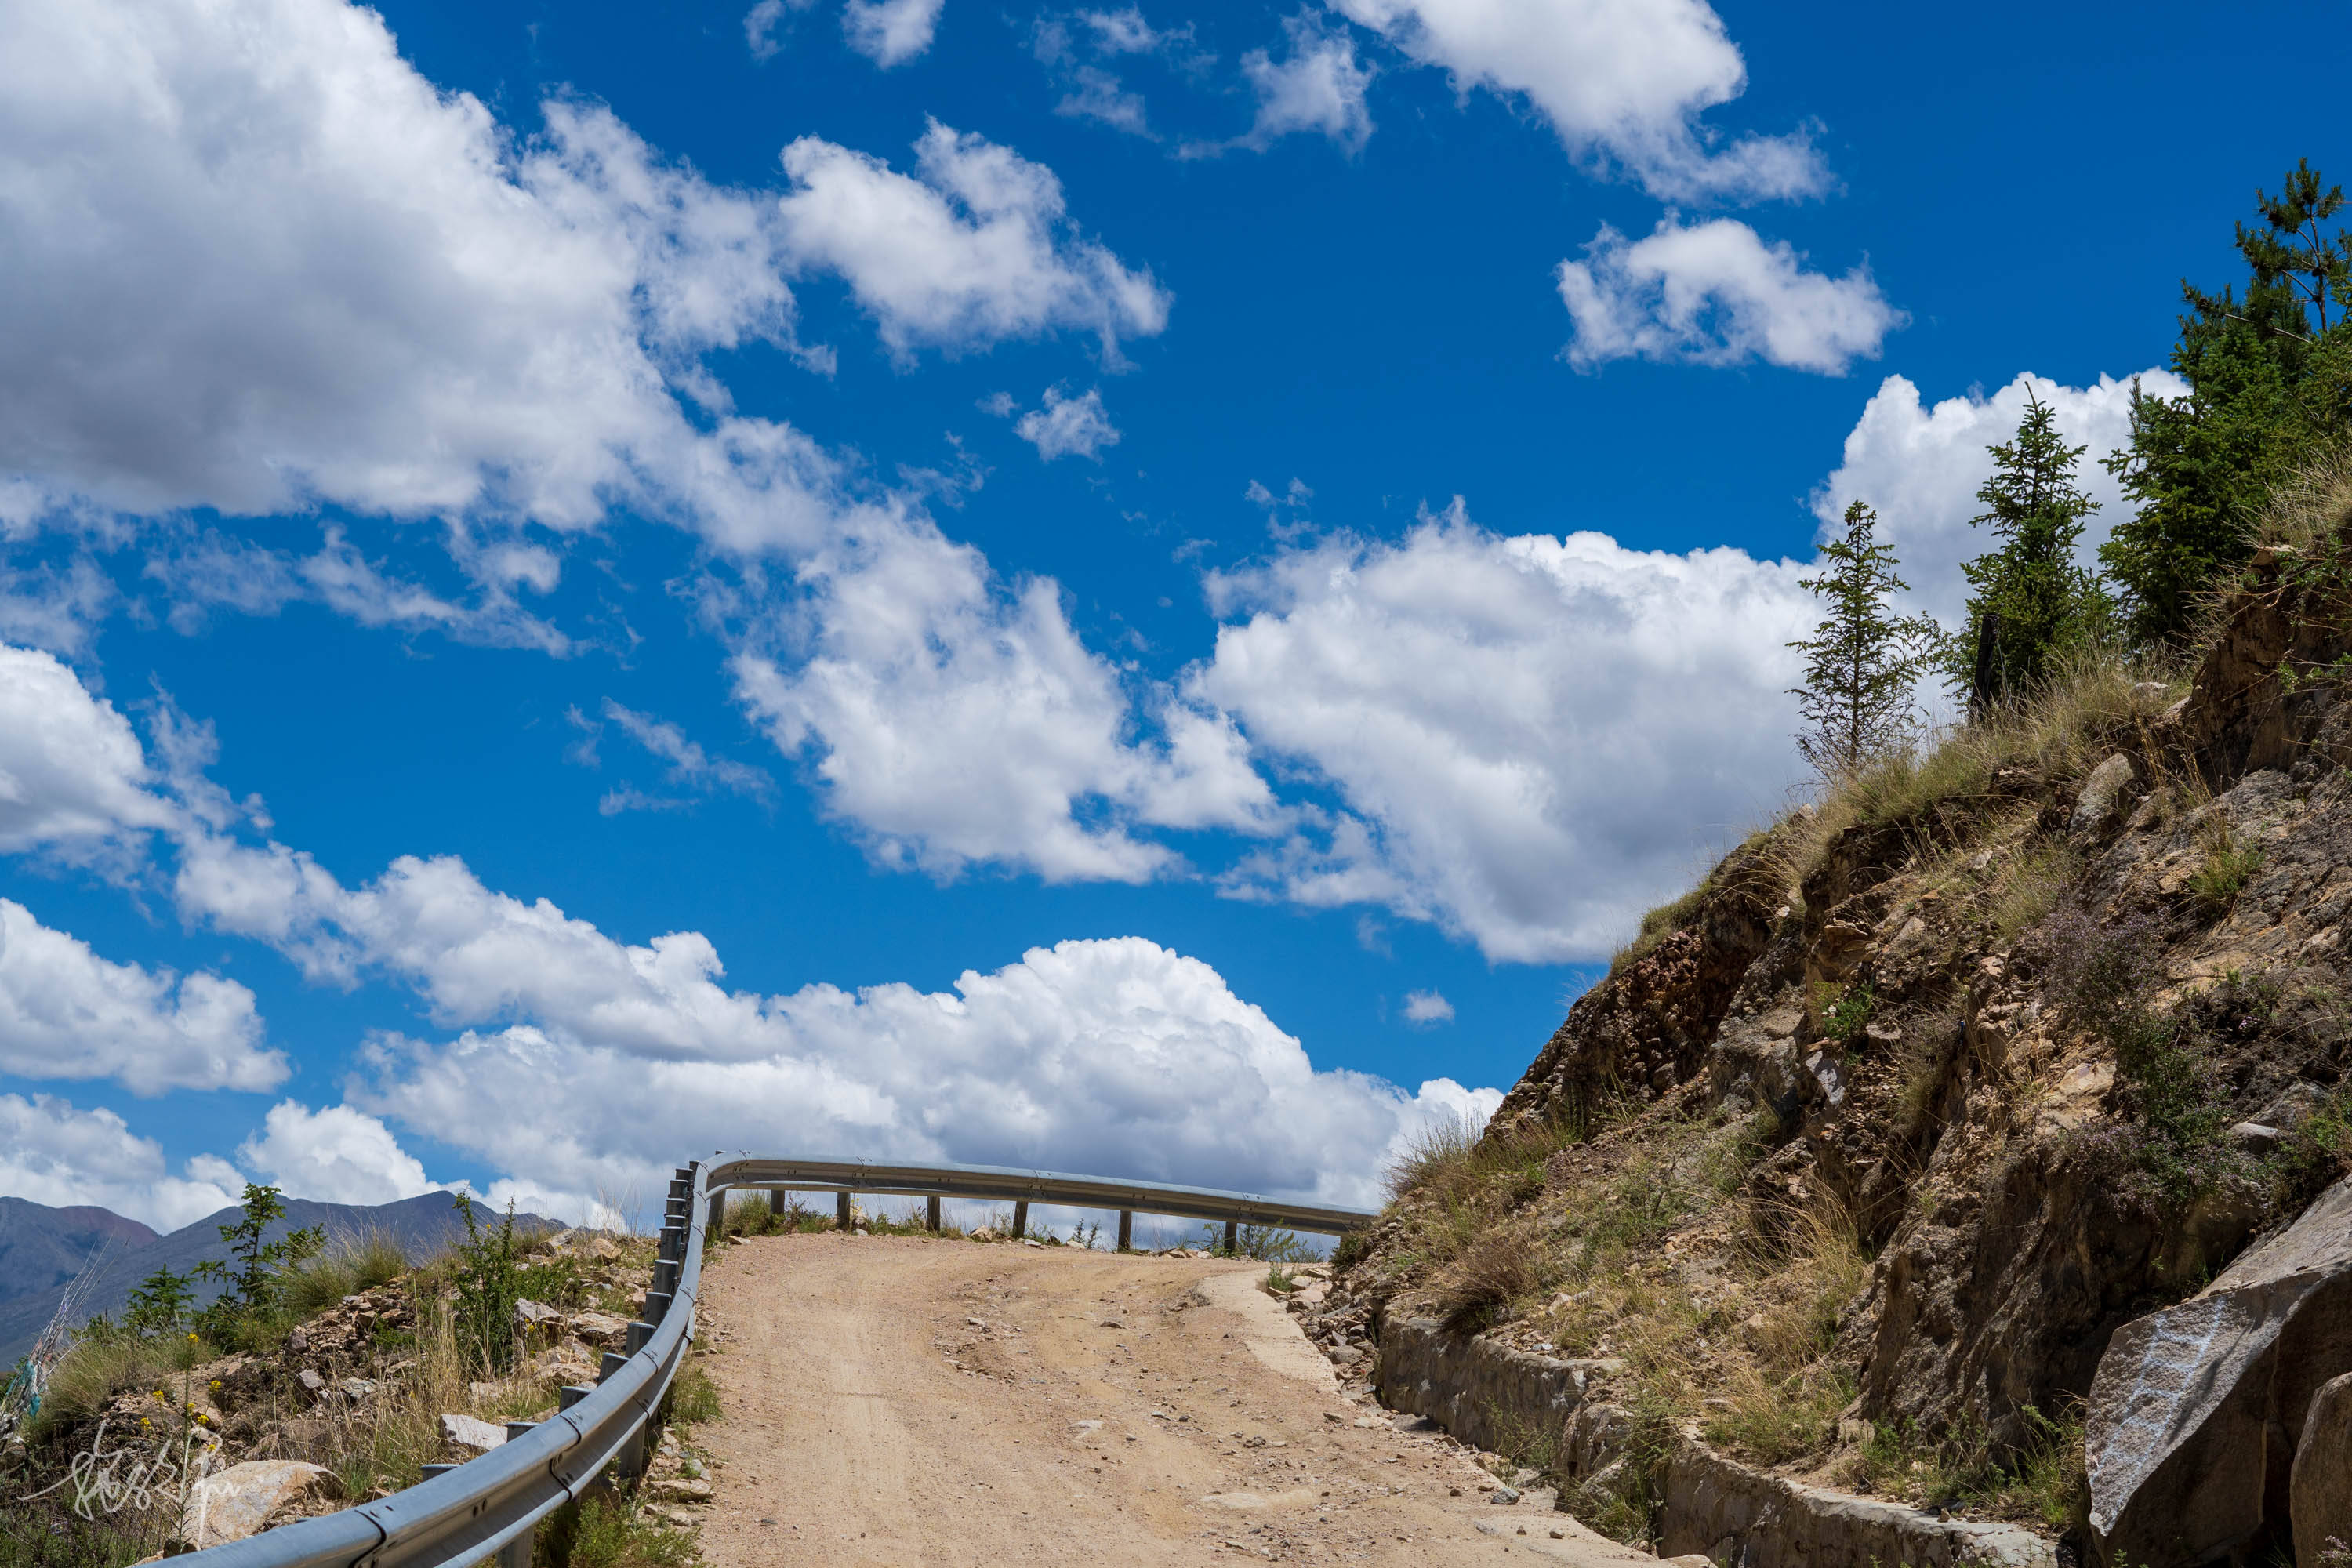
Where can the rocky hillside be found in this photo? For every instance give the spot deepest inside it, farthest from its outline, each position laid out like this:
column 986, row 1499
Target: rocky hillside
column 1875, row 1164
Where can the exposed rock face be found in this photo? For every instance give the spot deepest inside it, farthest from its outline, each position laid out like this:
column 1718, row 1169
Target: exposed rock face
column 1901, row 1039
column 2320, row 1494
column 2102, row 792
column 2198, row 1409
column 1650, row 1029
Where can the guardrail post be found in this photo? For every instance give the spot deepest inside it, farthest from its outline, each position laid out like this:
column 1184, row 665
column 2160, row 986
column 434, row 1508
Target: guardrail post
column 931, row 1214
column 841, row 1211
column 776, row 1201
column 665, row 1277
column 1232, row 1229
column 1020, row 1219
column 571, row 1394
column 1125, row 1229
column 639, row 1333
column 656, row 1305
column 671, row 1246
column 714, row 1228
column 516, row 1553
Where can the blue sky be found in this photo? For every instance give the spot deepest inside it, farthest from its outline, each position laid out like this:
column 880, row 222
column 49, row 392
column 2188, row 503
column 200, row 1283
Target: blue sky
column 1122, row 591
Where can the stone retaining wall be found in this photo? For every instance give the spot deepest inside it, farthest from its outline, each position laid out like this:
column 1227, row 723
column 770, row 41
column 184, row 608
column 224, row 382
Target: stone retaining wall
column 1503, row 1399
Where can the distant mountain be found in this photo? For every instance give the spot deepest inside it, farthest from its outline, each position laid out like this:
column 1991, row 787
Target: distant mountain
column 422, row 1226
column 42, row 1247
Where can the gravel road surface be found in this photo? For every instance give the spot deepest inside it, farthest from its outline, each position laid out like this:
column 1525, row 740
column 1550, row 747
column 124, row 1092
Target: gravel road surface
column 895, row 1400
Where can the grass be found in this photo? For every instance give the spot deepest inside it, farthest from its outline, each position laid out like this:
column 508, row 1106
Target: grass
column 105, row 1363
column 352, row 1262
column 2042, row 1479
column 693, row 1397
column 1946, row 789
column 610, row 1532
column 1661, row 923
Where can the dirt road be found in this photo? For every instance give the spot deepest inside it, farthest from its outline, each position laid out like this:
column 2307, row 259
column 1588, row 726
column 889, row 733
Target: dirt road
column 899, row 1400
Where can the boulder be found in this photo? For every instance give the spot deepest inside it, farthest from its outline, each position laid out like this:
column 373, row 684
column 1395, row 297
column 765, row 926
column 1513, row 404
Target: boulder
column 599, row 1328
column 231, row 1504
column 2320, row 1495
column 467, row 1432
column 2196, row 1411
column 2102, row 792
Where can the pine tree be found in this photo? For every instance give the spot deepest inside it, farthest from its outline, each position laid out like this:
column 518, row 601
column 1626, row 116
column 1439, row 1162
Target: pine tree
column 2268, row 375
column 1861, row 662
column 2032, row 605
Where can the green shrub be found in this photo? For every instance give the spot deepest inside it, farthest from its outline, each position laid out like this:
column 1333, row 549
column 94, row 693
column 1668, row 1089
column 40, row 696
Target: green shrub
column 489, row 1282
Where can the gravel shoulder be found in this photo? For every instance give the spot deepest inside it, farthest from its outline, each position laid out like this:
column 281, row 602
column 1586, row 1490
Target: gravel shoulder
column 893, row 1400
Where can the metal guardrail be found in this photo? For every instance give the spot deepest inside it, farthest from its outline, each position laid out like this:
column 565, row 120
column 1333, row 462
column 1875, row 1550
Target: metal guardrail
column 490, row 1506
column 1025, row 1187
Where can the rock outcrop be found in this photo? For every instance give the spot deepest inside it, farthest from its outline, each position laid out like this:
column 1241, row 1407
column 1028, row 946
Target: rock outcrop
column 2057, row 1027
column 2198, row 1408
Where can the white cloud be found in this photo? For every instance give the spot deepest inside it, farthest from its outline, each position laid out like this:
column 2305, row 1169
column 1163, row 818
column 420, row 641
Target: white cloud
column 1069, row 426
column 1114, row 1057
column 1317, row 88
column 1716, row 293
column 688, row 766
column 1533, row 738
column 957, row 721
column 52, row 1153
column 586, row 1064
column 1126, row 32
column 977, row 250
column 333, row 1157
column 216, row 571
column 762, row 21
column 65, row 1011
column 1921, row 466
column 1622, row 82
column 1427, row 1007
column 1098, row 94
column 256, row 260
column 889, row 32
column 72, row 774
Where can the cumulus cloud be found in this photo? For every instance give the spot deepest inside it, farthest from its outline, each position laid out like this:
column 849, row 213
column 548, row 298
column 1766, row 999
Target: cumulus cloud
column 51, row 1153
column 1531, row 738
column 65, row 1011
column 333, row 1157
column 1113, row 1057
column 587, row 1064
column 890, row 32
column 1069, row 426
column 976, row 248
column 956, row 720
column 1717, row 293
column 73, row 777
column 1623, row 84
column 1424, row 1008
column 1317, row 88
column 1921, row 468
column 257, row 261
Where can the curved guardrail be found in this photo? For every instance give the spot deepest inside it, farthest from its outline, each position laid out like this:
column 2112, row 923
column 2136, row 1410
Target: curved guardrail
column 490, row 1506
column 1025, row 1187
